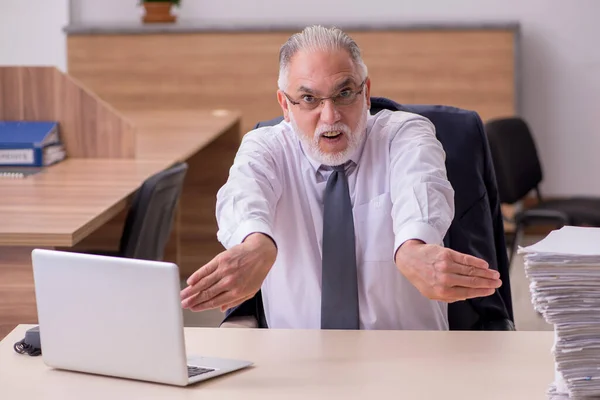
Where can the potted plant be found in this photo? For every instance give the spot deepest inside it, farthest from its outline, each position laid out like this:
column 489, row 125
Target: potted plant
column 159, row 10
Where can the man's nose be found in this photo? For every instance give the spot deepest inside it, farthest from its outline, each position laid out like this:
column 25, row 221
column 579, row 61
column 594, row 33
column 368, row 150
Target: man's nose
column 329, row 113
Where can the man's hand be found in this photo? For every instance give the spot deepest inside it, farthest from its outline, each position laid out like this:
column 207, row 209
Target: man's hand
column 443, row 274
column 232, row 277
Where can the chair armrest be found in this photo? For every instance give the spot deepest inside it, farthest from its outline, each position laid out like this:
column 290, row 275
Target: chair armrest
column 240, row 322
column 543, row 216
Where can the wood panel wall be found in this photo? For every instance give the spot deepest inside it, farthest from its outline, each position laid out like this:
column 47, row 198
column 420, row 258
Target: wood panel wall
column 473, row 69
column 89, row 127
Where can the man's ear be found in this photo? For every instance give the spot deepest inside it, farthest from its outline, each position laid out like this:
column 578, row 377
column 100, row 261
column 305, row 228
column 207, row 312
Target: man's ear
column 368, row 92
column 284, row 105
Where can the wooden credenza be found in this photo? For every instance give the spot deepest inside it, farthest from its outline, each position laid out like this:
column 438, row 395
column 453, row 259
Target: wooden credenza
column 195, row 66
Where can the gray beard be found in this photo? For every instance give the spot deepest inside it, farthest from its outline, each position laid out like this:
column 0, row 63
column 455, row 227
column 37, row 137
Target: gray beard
column 311, row 145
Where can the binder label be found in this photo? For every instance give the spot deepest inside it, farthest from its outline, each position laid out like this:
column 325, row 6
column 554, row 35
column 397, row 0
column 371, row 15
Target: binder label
column 16, row 156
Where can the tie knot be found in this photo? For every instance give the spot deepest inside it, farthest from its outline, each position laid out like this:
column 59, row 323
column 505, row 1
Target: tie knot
column 337, row 168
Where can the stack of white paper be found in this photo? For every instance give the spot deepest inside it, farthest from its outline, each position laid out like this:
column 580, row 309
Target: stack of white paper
column 564, row 271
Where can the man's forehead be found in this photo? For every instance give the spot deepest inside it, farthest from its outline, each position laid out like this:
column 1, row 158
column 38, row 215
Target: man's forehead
column 322, row 71
column 319, row 88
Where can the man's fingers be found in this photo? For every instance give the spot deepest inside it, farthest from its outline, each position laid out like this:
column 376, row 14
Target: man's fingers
column 475, row 282
column 200, row 280
column 203, row 271
column 466, row 259
column 205, row 284
column 189, row 300
column 453, row 268
column 474, row 272
column 216, row 302
column 204, row 295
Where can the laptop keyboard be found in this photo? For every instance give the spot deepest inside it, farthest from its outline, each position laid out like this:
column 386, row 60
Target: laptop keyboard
column 195, row 371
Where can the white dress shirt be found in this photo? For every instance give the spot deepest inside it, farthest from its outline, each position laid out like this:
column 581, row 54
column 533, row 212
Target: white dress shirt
column 399, row 191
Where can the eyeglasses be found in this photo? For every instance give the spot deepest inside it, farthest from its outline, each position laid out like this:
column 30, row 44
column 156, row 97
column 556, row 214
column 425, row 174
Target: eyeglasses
column 344, row 98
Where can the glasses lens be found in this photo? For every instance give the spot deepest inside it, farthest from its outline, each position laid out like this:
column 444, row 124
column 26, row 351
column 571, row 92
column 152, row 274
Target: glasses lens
column 345, row 100
column 309, row 106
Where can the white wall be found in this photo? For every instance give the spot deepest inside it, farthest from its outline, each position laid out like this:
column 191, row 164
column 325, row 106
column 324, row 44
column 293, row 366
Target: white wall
column 560, row 56
column 31, row 32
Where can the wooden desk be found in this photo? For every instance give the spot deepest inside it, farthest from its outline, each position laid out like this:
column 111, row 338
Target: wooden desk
column 320, row 365
column 65, row 203
column 81, row 203
column 179, row 134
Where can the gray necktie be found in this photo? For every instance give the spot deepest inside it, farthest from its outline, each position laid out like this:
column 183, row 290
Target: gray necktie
column 339, row 287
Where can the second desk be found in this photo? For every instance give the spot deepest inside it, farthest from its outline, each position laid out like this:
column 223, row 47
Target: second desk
column 82, row 203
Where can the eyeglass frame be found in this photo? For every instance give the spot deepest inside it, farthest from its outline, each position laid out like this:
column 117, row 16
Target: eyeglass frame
column 332, row 98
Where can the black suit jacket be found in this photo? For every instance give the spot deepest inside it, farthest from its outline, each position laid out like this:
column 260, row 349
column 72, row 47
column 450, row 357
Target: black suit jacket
column 477, row 227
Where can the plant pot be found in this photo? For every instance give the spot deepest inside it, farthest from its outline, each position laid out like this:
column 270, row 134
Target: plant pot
column 157, row 12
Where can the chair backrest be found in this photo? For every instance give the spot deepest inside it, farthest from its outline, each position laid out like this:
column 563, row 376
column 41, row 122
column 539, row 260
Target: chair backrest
column 150, row 218
column 477, row 227
column 516, row 162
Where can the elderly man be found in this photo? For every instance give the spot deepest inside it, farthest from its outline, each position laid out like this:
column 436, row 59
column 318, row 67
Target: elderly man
column 339, row 216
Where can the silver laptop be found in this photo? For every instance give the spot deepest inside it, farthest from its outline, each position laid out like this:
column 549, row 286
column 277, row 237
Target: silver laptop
column 117, row 317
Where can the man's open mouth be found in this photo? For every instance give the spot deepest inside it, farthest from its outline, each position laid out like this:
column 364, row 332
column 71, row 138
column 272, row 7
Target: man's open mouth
column 332, row 134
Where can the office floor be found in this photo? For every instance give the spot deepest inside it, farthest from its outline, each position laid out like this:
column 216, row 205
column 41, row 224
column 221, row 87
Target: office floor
column 526, row 318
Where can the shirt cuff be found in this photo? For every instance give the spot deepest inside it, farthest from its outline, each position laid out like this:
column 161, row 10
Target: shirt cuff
column 417, row 230
column 245, row 229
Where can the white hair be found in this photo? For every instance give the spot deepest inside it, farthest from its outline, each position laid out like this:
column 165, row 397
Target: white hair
column 318, row 38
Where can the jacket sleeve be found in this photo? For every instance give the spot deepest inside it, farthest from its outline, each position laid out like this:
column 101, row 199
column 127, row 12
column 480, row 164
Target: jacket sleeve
column 480, row 232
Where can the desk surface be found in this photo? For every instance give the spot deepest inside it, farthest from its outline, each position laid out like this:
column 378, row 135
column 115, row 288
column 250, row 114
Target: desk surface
column 67, row 201
column 175, row 135
column 320, row 365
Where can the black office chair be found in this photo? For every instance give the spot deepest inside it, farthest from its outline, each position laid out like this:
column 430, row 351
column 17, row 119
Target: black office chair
column 519, row 172
column 150, row 218
column 477, row 227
